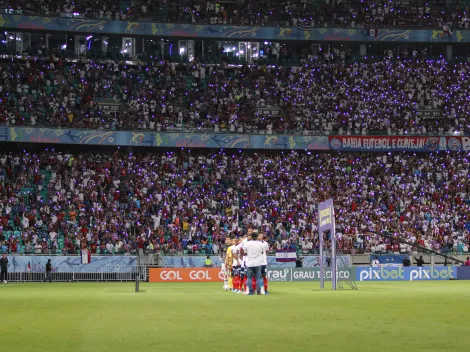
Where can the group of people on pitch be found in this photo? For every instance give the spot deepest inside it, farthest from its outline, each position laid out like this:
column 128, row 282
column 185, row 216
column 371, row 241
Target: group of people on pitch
column 245, row 263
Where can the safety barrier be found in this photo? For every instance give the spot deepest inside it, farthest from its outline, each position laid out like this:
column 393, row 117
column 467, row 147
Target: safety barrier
column 80, row 273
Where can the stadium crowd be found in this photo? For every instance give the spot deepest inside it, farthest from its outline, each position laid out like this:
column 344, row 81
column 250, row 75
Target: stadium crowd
column 284, row 13
column 319, row 94
column 189, row 202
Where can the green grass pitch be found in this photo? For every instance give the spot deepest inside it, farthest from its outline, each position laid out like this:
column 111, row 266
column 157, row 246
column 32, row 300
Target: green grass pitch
column 385, row 316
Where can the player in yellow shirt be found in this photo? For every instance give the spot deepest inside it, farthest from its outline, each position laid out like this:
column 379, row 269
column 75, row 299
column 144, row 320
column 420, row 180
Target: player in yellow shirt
column 229, row 262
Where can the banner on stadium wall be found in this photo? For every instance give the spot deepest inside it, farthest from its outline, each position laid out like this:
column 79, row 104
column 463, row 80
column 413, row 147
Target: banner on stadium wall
column 66, row 263
column 186, row 139
column 193, row 139
column 425, row 273
column 275, row 274
column 229, row 32
column 458, row 144
column 19, row 263
column 384, row 143
column 313, row 274
column 399, row 143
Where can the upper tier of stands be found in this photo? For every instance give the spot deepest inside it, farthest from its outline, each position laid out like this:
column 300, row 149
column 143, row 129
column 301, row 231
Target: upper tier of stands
column 315, row 13
column 313, row 94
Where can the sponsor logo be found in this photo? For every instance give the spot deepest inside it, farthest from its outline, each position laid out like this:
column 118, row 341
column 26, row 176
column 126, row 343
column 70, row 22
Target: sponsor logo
column 335, row 144
column 405, row 274
column 431, row 274
column 170, row 275
column 454, row 144
column 305, row 275
column 278, row 274
column 432, row 143
column 381, row 274
column 186, row 275
column 199, row 275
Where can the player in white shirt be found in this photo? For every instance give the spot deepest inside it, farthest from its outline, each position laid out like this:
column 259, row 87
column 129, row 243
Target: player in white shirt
column 225, row 272
column 242, row 263
column 264, row 265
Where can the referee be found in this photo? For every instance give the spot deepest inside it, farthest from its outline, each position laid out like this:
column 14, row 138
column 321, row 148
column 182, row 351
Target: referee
column 3, row 268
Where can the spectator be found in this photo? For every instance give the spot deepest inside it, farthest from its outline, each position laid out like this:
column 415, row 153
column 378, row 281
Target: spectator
column 48, row 271
column 215, row 248
column 419, row 261
column 28, row 248
column 38, row 248
column 467, row 262
column 3, row 268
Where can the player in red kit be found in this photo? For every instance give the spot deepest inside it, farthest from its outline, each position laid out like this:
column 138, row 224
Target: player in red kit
column 236, row 266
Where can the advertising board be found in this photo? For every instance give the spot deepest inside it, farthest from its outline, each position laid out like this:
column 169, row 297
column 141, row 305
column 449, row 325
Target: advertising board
column 406, row 273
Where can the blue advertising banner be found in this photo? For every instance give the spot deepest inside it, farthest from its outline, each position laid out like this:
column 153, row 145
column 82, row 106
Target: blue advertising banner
column 463, row 272
column 162, row 139
column 68, row 263
column 230, row 140
column 406, row 273
column 128, row 28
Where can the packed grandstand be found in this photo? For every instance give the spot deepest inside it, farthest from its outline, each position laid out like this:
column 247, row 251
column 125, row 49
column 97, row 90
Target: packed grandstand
column 315, row 95
column 189, row 202
column 71, row 76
